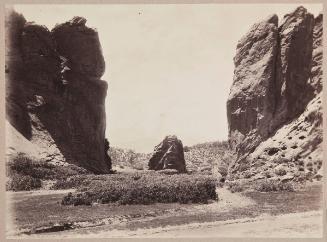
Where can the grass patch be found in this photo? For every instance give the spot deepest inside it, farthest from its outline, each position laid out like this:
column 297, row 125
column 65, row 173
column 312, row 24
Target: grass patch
column 143, row 188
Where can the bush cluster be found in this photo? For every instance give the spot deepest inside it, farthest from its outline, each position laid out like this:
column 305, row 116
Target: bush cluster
column 143, row 188
column 22, row 168
column 23, row 183
column 270, row 185
column 236, row 186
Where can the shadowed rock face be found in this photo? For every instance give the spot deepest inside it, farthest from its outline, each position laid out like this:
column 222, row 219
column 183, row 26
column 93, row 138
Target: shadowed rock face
column 81, row 46
column 316, row 65
column 169, row 154
column 16, row 98
column 293, row 66
column 60, row 97
column 277, row 81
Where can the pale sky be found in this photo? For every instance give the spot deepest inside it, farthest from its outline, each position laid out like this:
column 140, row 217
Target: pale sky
column 169, row 67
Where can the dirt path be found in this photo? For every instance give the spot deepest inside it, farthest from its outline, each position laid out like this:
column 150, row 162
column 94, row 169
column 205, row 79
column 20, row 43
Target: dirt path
column 251, row 214
column 297, row 225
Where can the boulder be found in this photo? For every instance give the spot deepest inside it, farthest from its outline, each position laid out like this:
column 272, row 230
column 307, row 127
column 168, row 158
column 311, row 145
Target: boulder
column 168, row 154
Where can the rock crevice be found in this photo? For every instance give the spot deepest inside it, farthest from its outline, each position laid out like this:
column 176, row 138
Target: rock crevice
column 277, row 74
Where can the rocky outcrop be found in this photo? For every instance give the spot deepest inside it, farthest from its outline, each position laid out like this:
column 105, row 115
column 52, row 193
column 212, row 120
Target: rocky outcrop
column 295, row 149
column 316, row 65
column 168, row 154
column 251, row 100
column 58, row 89
column 81, row 46
column 293, row 66
column 277, row 79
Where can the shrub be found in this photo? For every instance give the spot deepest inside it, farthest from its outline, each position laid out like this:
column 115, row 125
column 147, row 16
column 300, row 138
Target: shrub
column 27, row 166
column 223, row 170
column 309, row 164
column 235, row 186
column 22, row 164
column 76, row 181
column 267, row 185
column 280, row 171
column 144, row 188
column 168, row 171
column 247, row 174
column 23, row 183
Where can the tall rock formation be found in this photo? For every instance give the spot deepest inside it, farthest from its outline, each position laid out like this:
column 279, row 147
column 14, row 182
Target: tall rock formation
column 55, row 97
column 293, row 66
column 277, row 81
column 251, row 100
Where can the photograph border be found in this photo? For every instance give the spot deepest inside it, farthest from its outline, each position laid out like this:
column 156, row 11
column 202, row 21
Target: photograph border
column 3, row 207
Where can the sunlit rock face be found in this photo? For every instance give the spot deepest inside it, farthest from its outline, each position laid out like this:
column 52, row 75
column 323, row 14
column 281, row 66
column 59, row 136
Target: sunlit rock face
column 251, row 102
column 169, row 154
column 55, row 97
column 277, row 81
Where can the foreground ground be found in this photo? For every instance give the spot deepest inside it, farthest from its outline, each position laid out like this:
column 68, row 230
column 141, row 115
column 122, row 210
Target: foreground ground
column 251, row 214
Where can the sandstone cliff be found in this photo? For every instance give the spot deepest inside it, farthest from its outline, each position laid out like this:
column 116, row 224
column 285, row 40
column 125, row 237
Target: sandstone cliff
column 274, row 107
column 54, row 95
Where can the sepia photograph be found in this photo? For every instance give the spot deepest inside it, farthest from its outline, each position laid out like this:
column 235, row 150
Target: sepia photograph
column 164, row 120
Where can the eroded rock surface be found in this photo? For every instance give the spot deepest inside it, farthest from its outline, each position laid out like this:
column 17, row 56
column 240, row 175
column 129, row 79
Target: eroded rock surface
column 293, row 92
column 316, row 65
column 251, row 100
column 168, row 154
column 274, row 106
column 54, row 89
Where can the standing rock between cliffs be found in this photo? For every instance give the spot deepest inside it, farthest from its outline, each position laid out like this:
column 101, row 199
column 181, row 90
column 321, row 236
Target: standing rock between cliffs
column 169, row 154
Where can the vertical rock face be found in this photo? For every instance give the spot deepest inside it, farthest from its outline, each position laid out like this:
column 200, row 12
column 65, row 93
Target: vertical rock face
column 81, row 46
column 277, row 76
column 316, row 65
column 169, row 154
column 272, row 68
column 63, row 95
column 251, row 100
column 293, row 66
column 16, row 98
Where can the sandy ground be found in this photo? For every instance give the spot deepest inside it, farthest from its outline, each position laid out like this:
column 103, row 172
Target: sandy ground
column 297, row 225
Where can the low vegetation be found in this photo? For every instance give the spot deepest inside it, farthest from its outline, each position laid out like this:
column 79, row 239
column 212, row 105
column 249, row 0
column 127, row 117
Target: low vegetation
column 23, row 183
column 207, row 158
column 128, row 158
column 264, row 185
column 143, row 188
column 25, row 173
